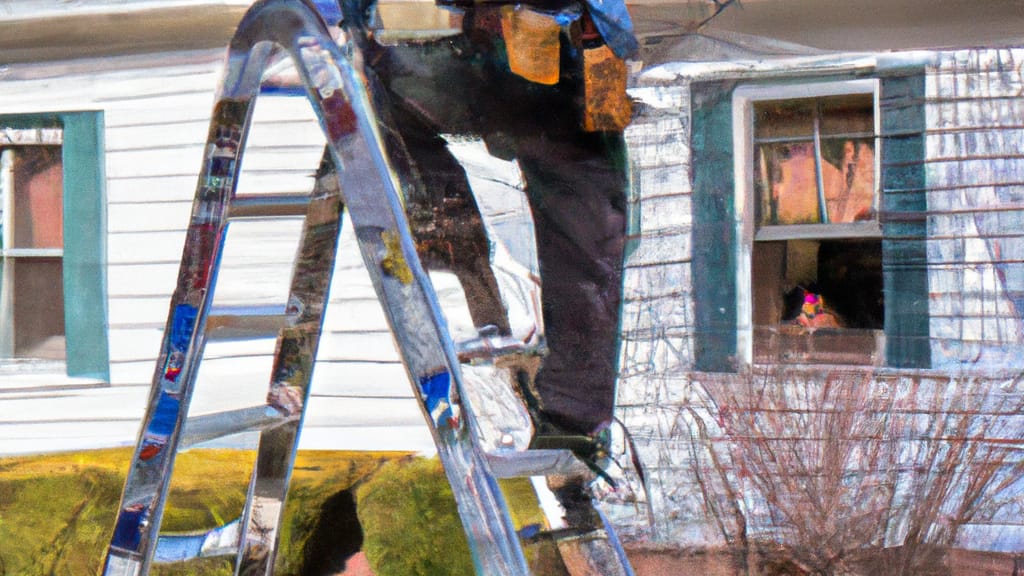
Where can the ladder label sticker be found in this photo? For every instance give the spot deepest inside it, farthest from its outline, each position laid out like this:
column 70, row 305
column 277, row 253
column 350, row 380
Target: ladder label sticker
column 161, row 425
column 436, row 392
column 182, row 327
column 341, row 118
column 128, row 531
column 200, row 244
column 394, row 263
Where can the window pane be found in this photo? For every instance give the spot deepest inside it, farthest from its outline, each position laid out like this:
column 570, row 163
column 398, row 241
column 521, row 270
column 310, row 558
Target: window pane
column 38, row 307
column 845, row 274
column 786, row 184
column 848, row 175
column 784, row 119
column 850, row 277
column 38, row 220
column 817, row 300
column 848, row 114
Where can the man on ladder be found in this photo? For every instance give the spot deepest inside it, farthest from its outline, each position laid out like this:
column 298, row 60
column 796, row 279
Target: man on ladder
column 545, row 85
column 542, row 83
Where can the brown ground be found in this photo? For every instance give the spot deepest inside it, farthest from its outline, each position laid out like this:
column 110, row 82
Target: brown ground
column 661, row 562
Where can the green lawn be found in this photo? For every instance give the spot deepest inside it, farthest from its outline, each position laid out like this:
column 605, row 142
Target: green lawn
column 57, row 511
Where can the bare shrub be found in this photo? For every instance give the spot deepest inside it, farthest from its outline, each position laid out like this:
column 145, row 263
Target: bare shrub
column 835, row 463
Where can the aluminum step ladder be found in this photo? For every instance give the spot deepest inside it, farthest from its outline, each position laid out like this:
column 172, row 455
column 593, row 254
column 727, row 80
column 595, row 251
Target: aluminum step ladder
column 354, row 174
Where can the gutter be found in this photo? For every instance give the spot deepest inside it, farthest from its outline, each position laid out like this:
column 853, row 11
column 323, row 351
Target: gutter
column 54, row 30
column 25, row 11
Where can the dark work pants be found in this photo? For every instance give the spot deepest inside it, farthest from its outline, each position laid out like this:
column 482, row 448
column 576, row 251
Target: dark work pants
column 575, row 182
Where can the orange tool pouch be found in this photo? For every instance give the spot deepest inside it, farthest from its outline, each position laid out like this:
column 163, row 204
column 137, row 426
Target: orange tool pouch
column 532, row 43
column 606, row 107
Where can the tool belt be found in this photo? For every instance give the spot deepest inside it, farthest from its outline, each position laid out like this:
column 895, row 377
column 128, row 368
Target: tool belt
column 533, row 43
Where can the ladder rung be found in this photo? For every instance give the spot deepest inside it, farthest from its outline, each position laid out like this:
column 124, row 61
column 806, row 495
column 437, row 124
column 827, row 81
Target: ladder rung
column 519, row 464
column 208, row 427
column 268, row 205
column 222, row 541
column 241, row 322
column 485, row 347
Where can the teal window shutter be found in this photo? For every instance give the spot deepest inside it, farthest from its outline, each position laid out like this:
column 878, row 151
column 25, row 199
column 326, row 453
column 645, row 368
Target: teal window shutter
column 904, row 220
column 714, row 228
column 85, row 231
column 904, row 223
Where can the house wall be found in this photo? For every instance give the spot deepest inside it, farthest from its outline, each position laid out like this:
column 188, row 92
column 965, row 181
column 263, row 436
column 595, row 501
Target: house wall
column 709, row 444
column 156, row 111
column 975, row 175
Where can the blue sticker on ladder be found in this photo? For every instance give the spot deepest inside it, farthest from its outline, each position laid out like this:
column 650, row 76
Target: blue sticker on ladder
column 165, row 415
column 182, row 326
column 161, row 425
column 436, row 393
column 435, row 390
column 128, row 531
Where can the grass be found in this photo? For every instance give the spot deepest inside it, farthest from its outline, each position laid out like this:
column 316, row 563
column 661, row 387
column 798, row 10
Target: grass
column 57, row 511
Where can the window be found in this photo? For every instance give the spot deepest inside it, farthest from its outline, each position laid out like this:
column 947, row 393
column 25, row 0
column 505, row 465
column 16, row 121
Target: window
column 32, row 245
column 816, row 252
column 52, row 243
column 811, row 192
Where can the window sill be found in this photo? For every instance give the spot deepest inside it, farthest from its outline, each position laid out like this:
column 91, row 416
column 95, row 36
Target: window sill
column 868, row 229
column 791, row 344
column 33, row 374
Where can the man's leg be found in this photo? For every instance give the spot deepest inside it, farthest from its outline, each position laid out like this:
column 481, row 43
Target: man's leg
column 576, row 184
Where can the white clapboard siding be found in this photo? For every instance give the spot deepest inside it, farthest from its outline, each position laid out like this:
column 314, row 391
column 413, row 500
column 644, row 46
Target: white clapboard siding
column 297, row 160
column 346, row 313
column 132, row 344
column 143, row 216
column 57, row 436
column 92, row 404
column 361, row 379
column 133, row 137
column 145, row 248
column 140, row 311
column 976, row 169
column 298, row 130
column 327, row 411
column 413, row 437
column 166, row 188
column 154, row 161
column 147, row 280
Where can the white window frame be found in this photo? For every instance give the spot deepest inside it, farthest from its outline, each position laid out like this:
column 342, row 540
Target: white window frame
column 743, row 100
column 10, row 138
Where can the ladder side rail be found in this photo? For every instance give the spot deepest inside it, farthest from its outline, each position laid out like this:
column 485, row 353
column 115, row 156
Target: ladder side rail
column 421, row 331
column 291, row 374
column 337, row 88
column 142, row 502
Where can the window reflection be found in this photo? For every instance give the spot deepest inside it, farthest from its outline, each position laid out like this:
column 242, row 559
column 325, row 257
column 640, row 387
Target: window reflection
column 815, row 160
